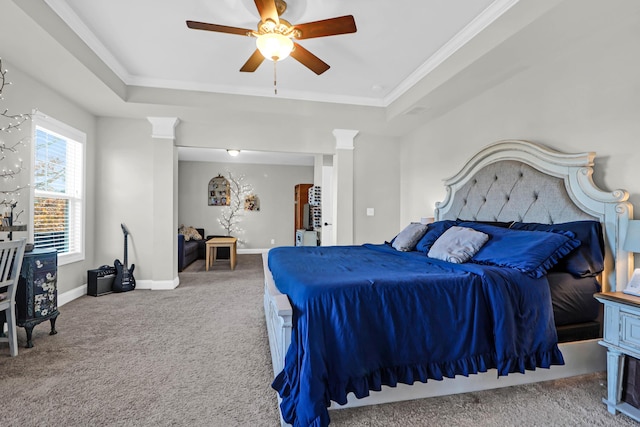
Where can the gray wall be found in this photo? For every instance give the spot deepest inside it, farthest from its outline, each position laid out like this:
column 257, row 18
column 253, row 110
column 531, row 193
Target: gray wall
column 273, row 184
column 376, row 169
column 135, row 183
column 125, row 181
column 582, row 94
column 22, row 96
column 125, row 185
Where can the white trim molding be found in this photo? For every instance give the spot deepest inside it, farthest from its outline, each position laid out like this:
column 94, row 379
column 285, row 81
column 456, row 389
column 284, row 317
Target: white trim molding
column 154, row 285
column 163, row 127
column 158, row 285
column 344, row 138
column 69, row 296
column 482, row 21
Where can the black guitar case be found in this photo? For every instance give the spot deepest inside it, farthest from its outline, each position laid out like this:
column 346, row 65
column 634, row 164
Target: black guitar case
column 124, row 280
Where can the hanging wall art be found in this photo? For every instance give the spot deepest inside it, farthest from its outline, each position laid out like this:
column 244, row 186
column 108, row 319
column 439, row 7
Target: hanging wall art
column 251, row 203
column 218, row 191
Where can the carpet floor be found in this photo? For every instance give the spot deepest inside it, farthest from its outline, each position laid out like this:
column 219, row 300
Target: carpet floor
column 199, row 356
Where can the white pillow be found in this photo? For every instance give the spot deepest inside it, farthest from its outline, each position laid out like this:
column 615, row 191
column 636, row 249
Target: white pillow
column 458, row 244
column 408, row 238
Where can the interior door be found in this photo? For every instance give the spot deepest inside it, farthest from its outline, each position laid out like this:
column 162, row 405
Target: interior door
column 326, row 238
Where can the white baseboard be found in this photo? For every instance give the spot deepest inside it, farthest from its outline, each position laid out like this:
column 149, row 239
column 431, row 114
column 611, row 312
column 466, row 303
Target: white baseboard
column 156, row 285
column 252, row 251
column 69, row 296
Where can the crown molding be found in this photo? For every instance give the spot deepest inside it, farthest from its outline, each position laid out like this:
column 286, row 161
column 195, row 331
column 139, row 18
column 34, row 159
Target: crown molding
column 67, row 14
column 482, row 21
column 494, row 11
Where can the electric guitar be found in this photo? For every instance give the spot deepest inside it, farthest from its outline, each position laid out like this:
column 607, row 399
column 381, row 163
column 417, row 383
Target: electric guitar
column 124, row 280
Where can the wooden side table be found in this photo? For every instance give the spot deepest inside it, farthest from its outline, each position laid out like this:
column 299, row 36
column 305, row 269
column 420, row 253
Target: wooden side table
column 221, row 242
column 622, row 338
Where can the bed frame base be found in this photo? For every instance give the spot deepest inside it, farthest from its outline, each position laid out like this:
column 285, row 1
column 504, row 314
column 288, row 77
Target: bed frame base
column 582, row 357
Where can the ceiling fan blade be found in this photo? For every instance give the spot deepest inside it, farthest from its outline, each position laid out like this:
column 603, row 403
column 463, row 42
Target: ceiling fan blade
column 327, row 27
column 253, row 62
column 309, row 60
column 217, row 28
column 267, row 10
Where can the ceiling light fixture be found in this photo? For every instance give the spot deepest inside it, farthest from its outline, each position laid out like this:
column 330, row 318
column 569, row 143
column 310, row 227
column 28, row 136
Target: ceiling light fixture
column 233, row 152
column 273, row 40
column 274, row 46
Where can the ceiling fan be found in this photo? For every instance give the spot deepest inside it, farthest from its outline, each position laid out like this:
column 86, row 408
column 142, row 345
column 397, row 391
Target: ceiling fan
column 274, row 35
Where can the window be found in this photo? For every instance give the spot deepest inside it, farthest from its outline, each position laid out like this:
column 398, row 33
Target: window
column 58, row 188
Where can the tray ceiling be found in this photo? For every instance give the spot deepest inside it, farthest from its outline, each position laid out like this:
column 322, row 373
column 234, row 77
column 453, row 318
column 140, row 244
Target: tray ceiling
column 146, row 43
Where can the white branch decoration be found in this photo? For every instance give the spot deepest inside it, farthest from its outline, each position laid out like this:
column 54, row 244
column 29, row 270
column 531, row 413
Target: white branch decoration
column 8, row 124
column 232, row 214
column 14, row 120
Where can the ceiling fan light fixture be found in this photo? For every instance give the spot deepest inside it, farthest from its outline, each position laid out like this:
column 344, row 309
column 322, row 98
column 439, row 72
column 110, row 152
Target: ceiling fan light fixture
column 274, row 46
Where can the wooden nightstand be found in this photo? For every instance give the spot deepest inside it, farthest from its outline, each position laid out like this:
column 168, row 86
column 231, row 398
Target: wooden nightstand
column 622, row 338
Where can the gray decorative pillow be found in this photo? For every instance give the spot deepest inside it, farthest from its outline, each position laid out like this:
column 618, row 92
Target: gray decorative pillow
column 408, row 238
column 458, row 244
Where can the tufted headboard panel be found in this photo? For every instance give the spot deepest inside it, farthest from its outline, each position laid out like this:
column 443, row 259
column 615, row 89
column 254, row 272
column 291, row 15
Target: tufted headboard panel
column 528, row 182
column 514, row 191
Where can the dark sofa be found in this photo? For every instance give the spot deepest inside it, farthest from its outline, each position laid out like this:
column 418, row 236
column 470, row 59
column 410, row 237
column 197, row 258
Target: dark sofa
column 190, row 250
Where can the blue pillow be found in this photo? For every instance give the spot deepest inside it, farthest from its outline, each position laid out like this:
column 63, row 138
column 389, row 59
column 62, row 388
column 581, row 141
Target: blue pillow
column 531, row 252
column 585, row 261
column 435, row 230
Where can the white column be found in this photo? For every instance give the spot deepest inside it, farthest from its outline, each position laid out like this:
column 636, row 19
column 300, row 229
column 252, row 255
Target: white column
column 343, row 186
column 165, row 203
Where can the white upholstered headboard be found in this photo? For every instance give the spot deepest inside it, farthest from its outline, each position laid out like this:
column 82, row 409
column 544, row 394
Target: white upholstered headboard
column 523, row 181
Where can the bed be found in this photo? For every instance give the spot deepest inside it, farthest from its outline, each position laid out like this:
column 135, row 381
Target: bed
column 375, row 330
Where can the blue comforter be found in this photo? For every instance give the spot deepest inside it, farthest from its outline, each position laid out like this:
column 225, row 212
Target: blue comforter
column 367, row 316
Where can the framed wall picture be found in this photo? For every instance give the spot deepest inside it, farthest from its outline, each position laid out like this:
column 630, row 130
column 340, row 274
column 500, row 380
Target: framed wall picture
column 218, row 191
column 251, row 203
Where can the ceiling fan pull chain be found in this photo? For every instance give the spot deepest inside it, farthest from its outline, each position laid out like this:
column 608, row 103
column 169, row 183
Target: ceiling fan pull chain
column 275, row 87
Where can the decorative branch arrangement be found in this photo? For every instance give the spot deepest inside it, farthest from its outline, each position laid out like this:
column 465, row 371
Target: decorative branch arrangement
column 13, row 121
column 232, row 214
column 8, row 124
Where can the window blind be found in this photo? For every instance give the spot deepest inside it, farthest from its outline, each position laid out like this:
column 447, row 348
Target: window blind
column 58, row 177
